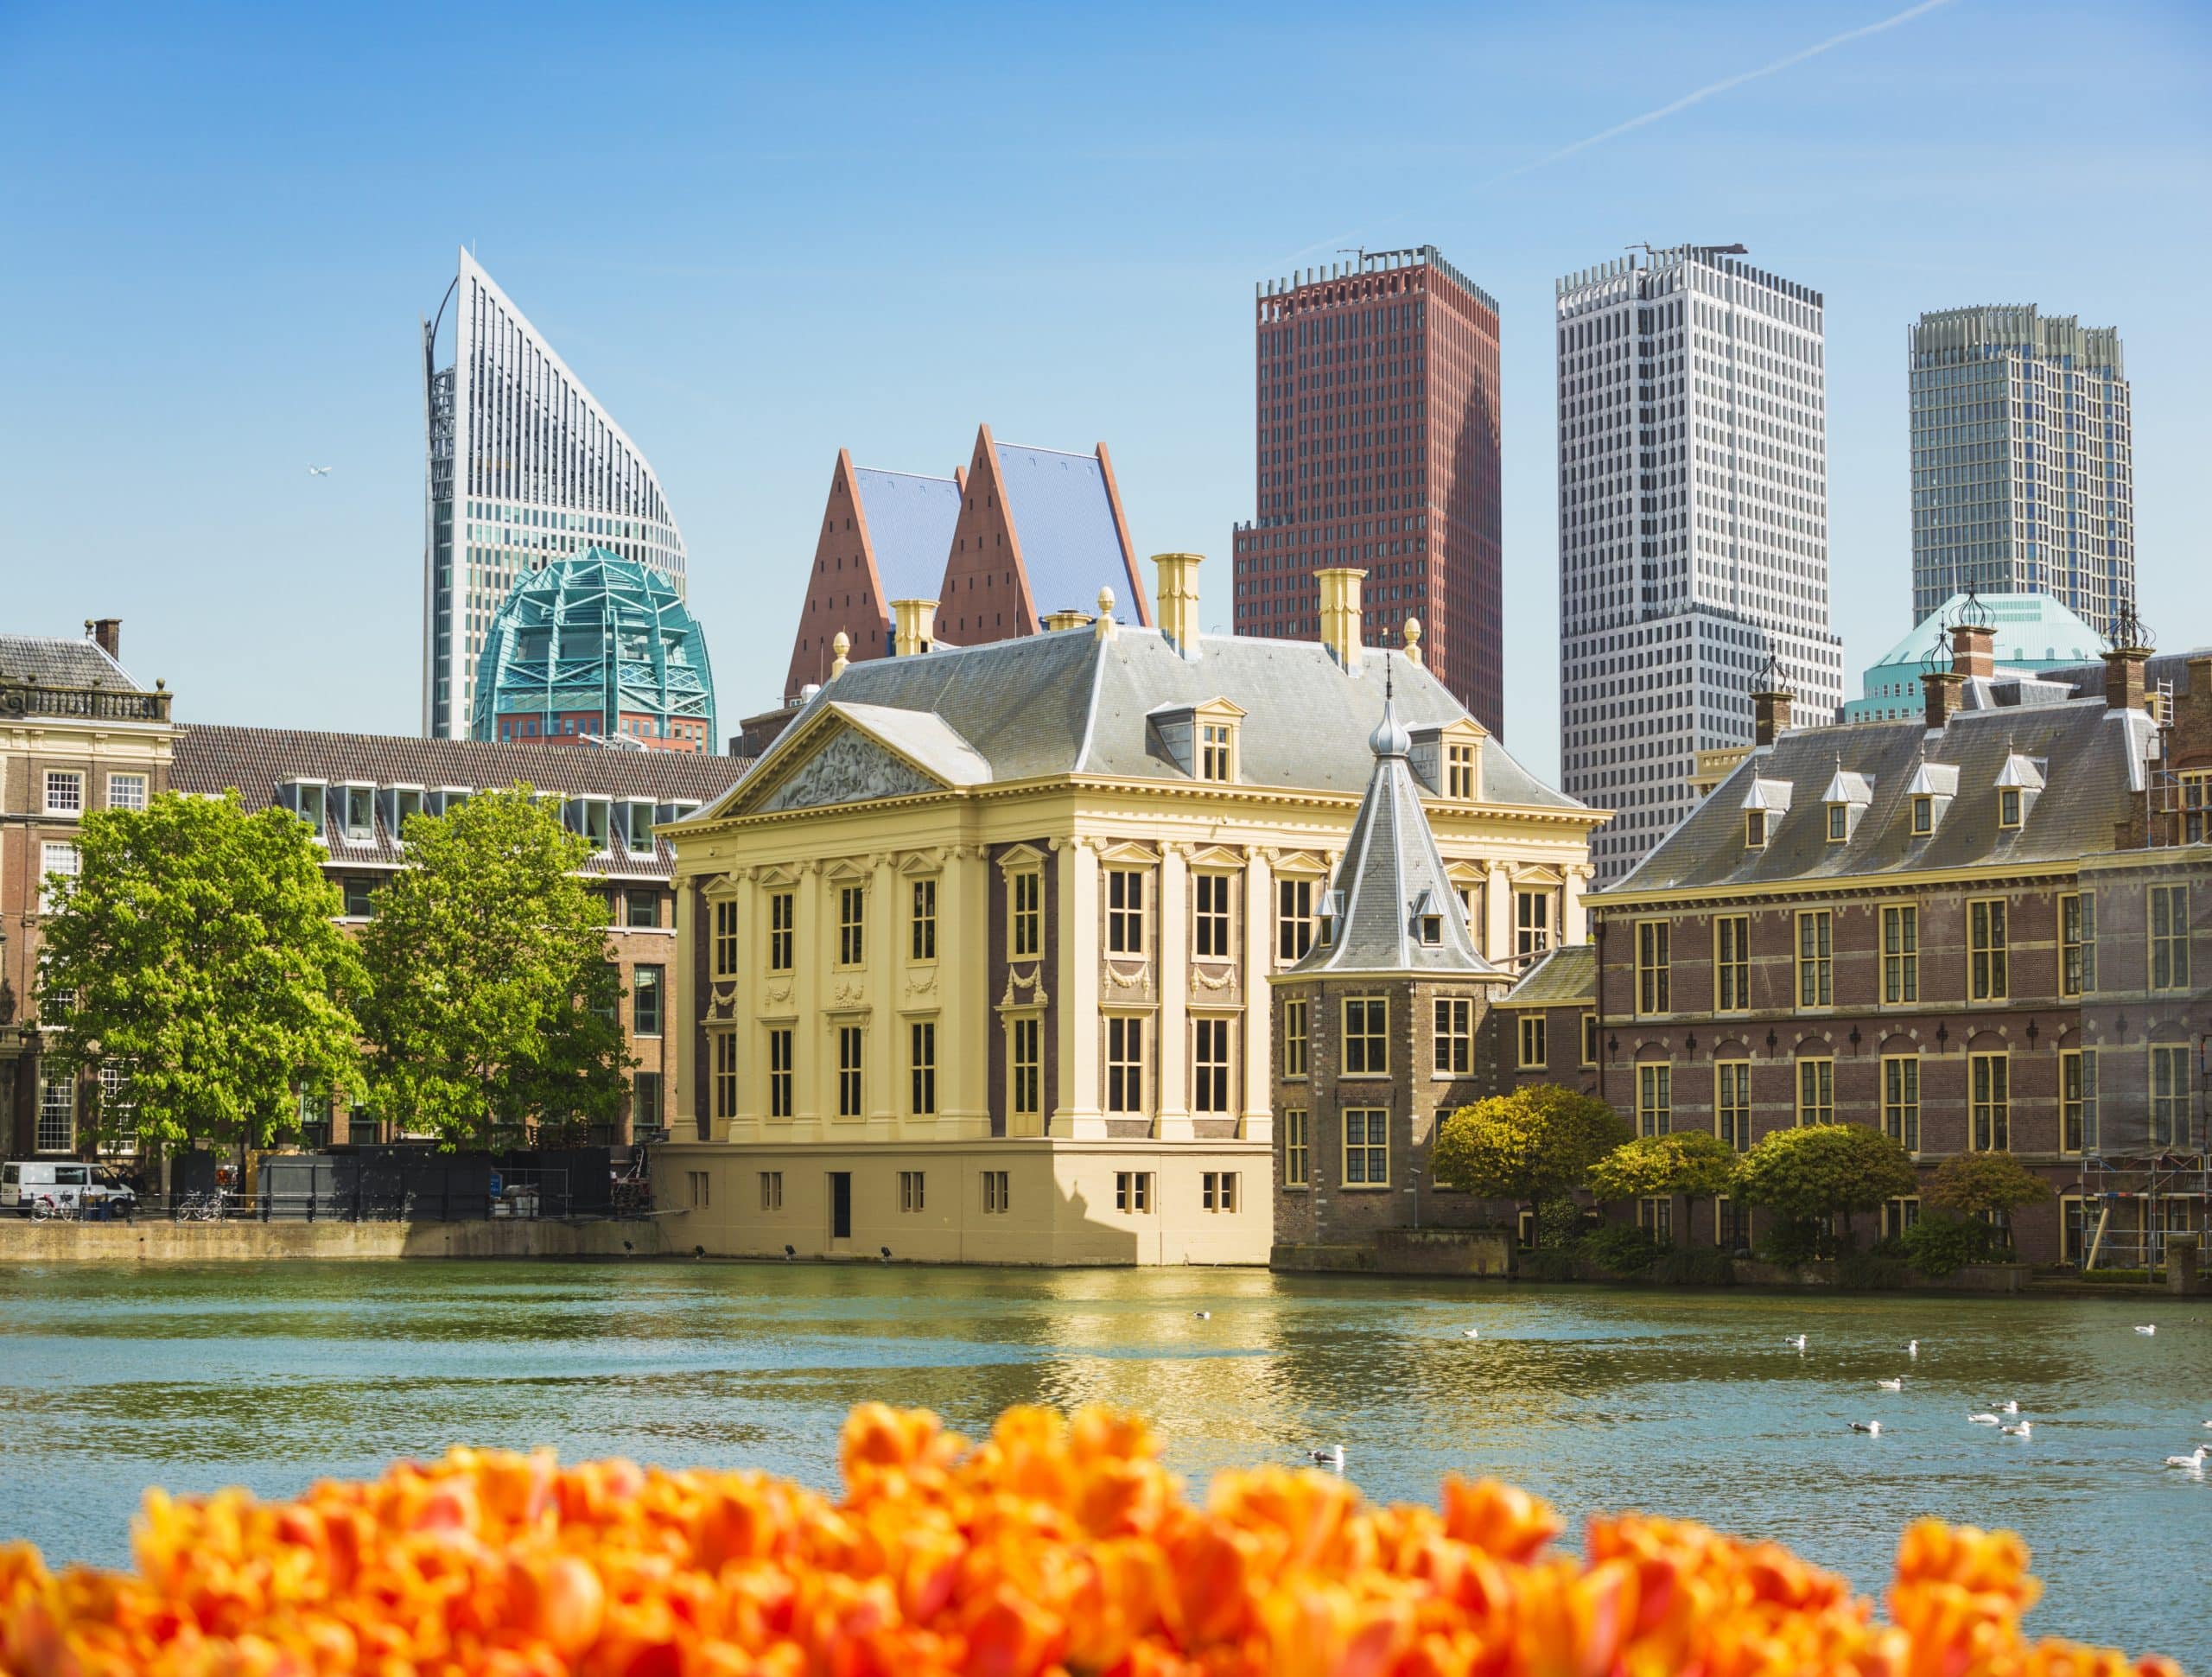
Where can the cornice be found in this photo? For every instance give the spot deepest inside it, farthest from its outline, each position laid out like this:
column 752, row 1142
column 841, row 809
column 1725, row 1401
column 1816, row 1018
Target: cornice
column 1890, row 885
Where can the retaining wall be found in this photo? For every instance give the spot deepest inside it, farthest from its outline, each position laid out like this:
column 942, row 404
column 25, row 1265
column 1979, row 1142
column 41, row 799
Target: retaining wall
column 24, row 1240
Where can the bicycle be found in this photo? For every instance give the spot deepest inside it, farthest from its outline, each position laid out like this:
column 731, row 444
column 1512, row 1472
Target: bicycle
column 46, row 1208
column 203, row 1208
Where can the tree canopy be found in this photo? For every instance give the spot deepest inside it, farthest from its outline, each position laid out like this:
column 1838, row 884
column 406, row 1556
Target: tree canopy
column 1983, row 1184
column 492, row 1000
column 1812, row 1172
column 1695, row 1163
column 1537, row 1143
column 195, row 953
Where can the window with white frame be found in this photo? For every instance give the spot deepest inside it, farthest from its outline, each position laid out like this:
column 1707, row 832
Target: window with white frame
column 1124, row 911
column 118, row 1112
column 1025, row 914
column 1125, row 1063
column 360, row 814
column 851, row 1058
column 1210, row 1063
column 57, row 1113
column 65, row 793
column 55, row 858
column 1133, row 1191
column 641, row 841
column 1210, row 927
column 126, row 792
column 1293, row 919
column 1025, row 1037
column 1217, row 1190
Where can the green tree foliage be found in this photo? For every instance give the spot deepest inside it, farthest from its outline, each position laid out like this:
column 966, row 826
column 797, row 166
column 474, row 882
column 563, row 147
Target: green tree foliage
column 492, row 1003
column 1940, row 1246
column 1816, row 1171
column 1695, row 1164
column 196, row 949
column 1537, row 1143
column 1973, row 1185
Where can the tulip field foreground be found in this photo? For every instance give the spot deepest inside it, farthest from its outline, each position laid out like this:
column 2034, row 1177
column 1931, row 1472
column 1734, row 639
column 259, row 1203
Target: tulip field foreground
column 1056, row 1546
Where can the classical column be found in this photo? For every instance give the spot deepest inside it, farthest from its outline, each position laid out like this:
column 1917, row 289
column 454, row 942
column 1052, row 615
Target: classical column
column 966, row 1032
column 1173, row 963
column 884, row 1093
column 1077, row 1030
column 814, row 1078
column 749, row 997
column 1259, row 994
column 1497, row 915
column 1573, row 920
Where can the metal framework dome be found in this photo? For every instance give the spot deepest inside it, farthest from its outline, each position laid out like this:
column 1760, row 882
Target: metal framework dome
column 596, row 645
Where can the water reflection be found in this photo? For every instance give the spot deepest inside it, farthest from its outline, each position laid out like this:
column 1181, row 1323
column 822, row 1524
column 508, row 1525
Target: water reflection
column 1694, row 1404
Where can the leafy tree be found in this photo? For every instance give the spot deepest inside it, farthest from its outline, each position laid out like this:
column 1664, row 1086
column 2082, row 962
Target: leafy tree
column 1939, row 1246
column 1984, row 1185
column 1537, row 1143
column 195, row 949
column 1817, row 1170
column 1695, row 1163
column 492, row 1003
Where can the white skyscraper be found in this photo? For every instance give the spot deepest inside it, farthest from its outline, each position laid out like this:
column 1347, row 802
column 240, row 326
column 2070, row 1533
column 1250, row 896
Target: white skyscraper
column 1693, row 525
column 544, row 472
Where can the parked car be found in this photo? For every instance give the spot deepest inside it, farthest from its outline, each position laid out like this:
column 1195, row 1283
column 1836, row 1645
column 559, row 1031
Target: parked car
column 68, row 1187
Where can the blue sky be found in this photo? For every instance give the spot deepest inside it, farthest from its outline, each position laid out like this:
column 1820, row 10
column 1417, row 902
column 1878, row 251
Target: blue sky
column 760, row 233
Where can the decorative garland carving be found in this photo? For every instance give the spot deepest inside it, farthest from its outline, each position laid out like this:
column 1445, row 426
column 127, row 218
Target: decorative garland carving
column 1199, row 976
column 1121, row 980
column 847, row 994
column 780, row 993
column 1034, row 984
column 925, row 987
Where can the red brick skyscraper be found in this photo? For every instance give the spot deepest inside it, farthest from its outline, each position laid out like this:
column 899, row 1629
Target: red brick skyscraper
column 1378, row 447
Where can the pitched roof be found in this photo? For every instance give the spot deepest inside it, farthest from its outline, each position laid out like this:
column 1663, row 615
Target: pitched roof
column 1062, row 511
column 910, row 520
column 1568, row 974
column 1071, row 702
column 57, row 661
column 2093, row 758
column 1391, row 887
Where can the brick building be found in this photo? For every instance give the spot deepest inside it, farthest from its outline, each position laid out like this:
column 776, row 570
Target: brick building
column 1376, row 409
column 78, row 732
column 1382, row 1029
column 356, row 791
column 1976, row 929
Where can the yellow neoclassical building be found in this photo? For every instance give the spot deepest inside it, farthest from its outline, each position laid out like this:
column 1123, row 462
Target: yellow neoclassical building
column 974, row 961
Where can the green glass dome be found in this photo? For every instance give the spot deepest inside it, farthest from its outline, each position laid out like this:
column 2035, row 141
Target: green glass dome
column 596, row 645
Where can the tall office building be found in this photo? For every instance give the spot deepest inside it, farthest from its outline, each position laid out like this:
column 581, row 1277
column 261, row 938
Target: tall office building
column 1378, row 448
column 2023, row 461
column 1693, row 525
column 523, row 468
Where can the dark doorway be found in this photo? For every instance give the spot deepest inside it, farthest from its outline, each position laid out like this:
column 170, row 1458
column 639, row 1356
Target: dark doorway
column 841, row 1205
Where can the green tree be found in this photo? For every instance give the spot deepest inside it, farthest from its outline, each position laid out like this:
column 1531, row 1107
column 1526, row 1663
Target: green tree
column 1984, row 1185
column 1695, row 1164
column 1817, row 1171
column 195, row 950
column 491, row 1001
column 1537, row 1143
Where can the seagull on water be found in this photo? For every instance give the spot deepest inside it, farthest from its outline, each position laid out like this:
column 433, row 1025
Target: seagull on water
column 1332, row 1457
column 1890, row 1385
column 1871, row 1426
column 2194, row 1461
column 2012, row 1406
column 1203, row 1315
column 2020, row 1432
column 1477, row 1333
column 1912, row 1348
column 2146, row 1327
column 1798, row 1342
column 1983, row 1419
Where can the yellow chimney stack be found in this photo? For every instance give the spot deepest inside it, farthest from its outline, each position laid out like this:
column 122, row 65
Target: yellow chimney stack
column 1340, row 615
column 913, row 626
column 1177, row 596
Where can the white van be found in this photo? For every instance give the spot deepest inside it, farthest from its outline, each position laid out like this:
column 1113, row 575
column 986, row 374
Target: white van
column 32, row 1187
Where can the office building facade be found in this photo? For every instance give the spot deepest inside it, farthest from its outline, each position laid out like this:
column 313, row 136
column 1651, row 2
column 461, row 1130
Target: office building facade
column 2022, row 460
column 523, row 468
column 1693, row 525
column 1378, row 434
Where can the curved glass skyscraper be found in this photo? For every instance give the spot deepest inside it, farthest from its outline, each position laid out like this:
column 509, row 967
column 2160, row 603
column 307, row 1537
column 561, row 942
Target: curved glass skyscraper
column 523, row 468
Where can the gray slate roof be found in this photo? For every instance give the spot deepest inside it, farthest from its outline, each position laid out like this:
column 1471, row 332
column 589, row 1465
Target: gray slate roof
column 55, row 661
column 910, row 520
column 1071, row 545
column 2092, row 761
column 1566, row 975
column 1068, row 702
column 1391, row 882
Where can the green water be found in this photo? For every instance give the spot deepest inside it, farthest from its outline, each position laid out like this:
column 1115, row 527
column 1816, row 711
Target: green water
column 112, row 1379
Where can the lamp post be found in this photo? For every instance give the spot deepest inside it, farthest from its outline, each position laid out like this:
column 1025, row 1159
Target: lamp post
column 1415, row 1192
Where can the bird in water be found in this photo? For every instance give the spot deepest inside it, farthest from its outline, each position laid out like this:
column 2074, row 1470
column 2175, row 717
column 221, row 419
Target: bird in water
column 2012, row 1406
column 2023, row 1430
column 1983, row 1419
column 1890, row 1385
column 1203, row 1315
column 1798, row 1342
column 2146, row 1327
column 1912, row 1348
column 1477, row 1333
column 1332, row 1457
column 1871, row 1426
column 2194, row 1461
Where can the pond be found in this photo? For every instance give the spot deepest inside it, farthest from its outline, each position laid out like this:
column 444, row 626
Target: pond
column 1691, row 1404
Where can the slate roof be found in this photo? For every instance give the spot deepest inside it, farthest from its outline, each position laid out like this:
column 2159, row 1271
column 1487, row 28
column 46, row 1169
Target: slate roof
column 1564, row 975
column 1063, row 517
column 910, row 520
column 56, row 661
column 1069, row 702
column 255, row 761
column 1391, row 882
column 2092, row 761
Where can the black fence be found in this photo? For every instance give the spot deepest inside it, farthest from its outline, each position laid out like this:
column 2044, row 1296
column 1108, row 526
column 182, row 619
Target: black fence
column 394, row 1184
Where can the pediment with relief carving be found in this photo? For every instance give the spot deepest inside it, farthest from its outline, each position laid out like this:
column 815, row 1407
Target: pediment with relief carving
column 848, row 768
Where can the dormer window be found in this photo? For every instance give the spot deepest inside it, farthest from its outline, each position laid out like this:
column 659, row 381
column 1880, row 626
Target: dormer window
column 1216, row 751
column 2008, row 807
column 1200, row 739
column 406, row 804
column 1755, row 830
column 2019, row 784
column 1432, row 929
column 1332, row 908
column 1924, row 816
column 1460, row 773
column 306, row 798
column 360, row 814
column 1838, row 822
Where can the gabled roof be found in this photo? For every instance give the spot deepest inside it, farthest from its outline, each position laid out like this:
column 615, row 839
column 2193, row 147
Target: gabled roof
column 58, row 661
column 2093, row 775
column 922, row 737
column 1566, row 975
column 1391, row 883
column 909, row 519
column 1062, row 509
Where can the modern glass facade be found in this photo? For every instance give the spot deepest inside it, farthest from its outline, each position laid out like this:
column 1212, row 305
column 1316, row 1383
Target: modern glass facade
column 2022, row 460
column 523, row 468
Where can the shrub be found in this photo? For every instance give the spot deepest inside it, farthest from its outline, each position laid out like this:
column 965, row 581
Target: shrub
column 1942, row 1246
column 1551, row 1263
column 1621, row 1249
column 1870, row 1272
column 1694, row 1266
column 1560, row 1223
column 1790, row 1241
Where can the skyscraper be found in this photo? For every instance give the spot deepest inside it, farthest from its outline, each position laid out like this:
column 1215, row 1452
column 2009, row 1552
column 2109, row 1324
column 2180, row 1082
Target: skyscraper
column 1377, row 399
column 2022, row 460
column 1693, row 525
column 523, row 468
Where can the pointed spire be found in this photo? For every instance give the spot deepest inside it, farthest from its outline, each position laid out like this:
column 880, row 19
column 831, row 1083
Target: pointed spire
column 1390, row 738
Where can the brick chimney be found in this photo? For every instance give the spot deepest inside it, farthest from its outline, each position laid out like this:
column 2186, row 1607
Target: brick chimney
column 1770, row 715
column 1974, row 650
column 1177, row 597
column 913, row 626
column 2123, row 668
column 1340, row 615
column 107, row 633
column 1942, row 688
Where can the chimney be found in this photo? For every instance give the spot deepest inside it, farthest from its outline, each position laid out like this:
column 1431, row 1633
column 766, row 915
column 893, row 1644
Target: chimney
column 1941, row 688
column 1177, row 596
column 1068, row 619
column 1974, row 650
column 913, row 626
column 1771, row 711
column 1340, row 615
column 2123, row 668
column 107, row 633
